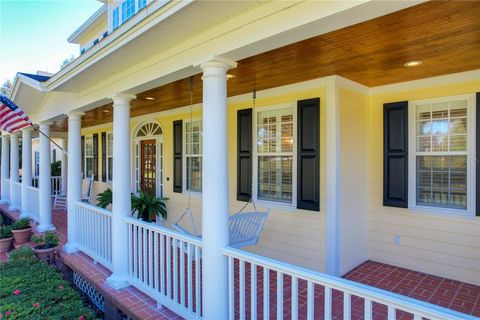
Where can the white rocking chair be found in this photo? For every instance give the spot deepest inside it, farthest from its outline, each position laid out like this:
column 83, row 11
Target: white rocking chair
column 88, row 191
column 244, row 227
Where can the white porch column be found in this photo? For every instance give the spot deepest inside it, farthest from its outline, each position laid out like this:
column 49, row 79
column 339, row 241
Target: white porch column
column 64, row 173
column 44, row 182
column 26, row 169
column 74, row 189
column 5, row 172
column 121, row 205
column 215, row 189
column 14, row 177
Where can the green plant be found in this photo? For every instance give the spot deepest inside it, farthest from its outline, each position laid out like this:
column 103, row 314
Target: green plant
column 30, row 289
column 147, row 206
column 56, row 168
column 45, row 241
column 20, row 224
column 1, row 220
column 22, row 253
column 5, row 232
column 104, row 198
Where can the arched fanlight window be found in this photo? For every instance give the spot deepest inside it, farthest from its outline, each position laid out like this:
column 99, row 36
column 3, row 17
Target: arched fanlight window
column 149, row 129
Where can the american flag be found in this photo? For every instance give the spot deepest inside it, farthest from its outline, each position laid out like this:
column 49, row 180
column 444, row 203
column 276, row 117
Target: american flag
column 12, row 118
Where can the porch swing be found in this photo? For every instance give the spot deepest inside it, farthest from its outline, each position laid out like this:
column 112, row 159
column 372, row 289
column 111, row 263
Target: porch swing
column 245, row 227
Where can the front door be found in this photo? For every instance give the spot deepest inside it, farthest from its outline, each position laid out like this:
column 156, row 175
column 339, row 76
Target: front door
column 148, row 163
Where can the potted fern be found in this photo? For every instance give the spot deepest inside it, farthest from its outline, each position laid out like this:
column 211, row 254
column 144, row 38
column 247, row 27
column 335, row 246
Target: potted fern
column 104, row 199
column 6, row 238
column 22, row 231
column 46, row 244
column 147, row 207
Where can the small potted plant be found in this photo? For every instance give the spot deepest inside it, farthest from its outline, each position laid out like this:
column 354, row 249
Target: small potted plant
column 147, row 207
column 45, row 246
column 5, row 238
column 104, row 198
column 22, row 231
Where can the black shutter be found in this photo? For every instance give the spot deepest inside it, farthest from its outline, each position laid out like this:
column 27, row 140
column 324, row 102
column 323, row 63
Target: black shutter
column 477, row 165
column 82, row 147
column 244, row 154
column 308, row 154
column 95, row 156
column 395, row 157
column 104, row 156
column 177, row 155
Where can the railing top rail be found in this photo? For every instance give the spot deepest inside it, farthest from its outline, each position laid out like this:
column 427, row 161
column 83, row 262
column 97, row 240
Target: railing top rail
column 33, row 188
column 169, row 232
column 400, row 302
column 17, row 183
column 93, row 208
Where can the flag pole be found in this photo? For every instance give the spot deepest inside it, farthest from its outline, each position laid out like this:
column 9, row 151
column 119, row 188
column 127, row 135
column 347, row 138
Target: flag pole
column 51, row 140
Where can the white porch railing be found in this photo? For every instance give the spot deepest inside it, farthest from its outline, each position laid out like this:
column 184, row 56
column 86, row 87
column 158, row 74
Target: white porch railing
column 6, row 190
column 56, row 184
column 33, row 209
column 94, row 232
column 305, row 290
column 165, row 265
column 16, row 197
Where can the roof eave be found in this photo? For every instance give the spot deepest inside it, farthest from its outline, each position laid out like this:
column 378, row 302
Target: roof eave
column 73, row 38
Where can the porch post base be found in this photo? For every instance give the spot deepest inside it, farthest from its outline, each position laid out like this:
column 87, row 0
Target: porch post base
column 12, row 208
column 70, row 248
column 44, row 228
column 118, row 282
column 2, row 201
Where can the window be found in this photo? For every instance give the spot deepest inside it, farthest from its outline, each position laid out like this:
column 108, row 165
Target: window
column 141, row 4
column 275, row 154
column 37, row 163
column 109, row 156
column 128, row 9
column 115, row 18
column 88, row 156
column 193, row 155
column 439, row 154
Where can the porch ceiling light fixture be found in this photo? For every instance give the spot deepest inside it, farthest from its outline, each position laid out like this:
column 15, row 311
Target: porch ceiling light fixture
column 230, row 76
column 413, row 63
column 106, row 110
column 149, row 98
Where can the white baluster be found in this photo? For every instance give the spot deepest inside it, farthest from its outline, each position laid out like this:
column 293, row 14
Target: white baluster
column 231, row 288
column 190, row 278
column 182, row 273
column 310, row 300
column 391, row 313
column 253, row 291
column 242, row 288
column 294, row 298
column 347, row 306
column 266, row 293
column 279, row 295
column 368, row 309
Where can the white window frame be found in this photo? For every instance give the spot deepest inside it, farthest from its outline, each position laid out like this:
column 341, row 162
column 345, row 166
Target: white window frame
column 88, row 157
column 255, row 155
column 412, row 177
column 184, row 153
column 108, row 155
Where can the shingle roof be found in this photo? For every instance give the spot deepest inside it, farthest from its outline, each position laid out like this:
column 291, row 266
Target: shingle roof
column 35, row 77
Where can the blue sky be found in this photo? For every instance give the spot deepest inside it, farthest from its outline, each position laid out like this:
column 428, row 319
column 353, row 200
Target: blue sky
column 33, row 34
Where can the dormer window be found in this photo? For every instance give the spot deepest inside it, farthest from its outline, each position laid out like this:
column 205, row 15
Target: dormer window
column 128, row 9
column 141, row 4
column 116, row 18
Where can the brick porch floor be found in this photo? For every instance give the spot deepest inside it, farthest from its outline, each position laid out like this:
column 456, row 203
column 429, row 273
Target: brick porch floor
column 451, row 294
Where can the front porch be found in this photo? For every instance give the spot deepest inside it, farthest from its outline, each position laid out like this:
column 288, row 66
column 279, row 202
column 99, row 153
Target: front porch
column 308, row 303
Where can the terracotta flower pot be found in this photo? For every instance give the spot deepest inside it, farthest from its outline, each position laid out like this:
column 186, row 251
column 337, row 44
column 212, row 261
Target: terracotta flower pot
column 45, row 254
column 22, row 236
column 5, row 244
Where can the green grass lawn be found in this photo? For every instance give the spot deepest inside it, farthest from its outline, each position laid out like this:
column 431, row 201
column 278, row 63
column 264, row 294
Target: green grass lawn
column 30, row 289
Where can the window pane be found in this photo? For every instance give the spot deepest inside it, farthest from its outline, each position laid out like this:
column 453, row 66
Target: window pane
column 194, row 174
column 110, row 168
column 442, row 181
column 275, row 178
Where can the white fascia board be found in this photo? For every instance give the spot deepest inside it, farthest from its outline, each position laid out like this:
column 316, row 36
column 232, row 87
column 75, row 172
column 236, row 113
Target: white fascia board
column 22, row 79
column 73, row 38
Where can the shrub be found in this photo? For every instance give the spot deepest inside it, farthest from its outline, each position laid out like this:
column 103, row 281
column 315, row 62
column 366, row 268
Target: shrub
column 22, row 253
column 5, row 232
column 47, row 240
column 20, row 224
column 32, row 290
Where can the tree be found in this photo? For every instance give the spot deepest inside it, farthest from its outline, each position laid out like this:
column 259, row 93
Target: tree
column 67, row 61
column 6, row 87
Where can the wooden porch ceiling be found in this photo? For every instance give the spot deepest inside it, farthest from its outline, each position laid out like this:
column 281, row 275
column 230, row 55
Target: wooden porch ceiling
column 445, row 36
